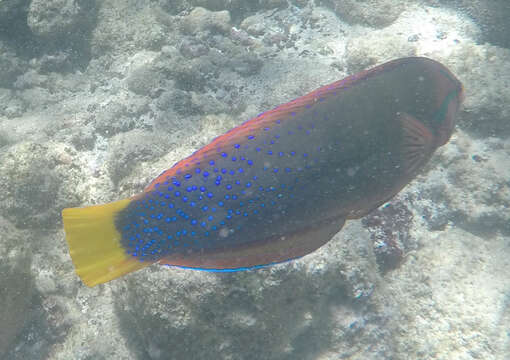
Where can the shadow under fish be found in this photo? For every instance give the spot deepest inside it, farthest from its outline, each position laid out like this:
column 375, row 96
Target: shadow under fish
column 280, row 185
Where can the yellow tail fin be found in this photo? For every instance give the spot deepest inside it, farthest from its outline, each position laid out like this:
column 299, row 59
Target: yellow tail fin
column 94, row 243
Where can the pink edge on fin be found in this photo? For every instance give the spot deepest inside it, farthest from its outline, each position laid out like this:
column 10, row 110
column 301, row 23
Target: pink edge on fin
column 418, row 143
column 266, row 252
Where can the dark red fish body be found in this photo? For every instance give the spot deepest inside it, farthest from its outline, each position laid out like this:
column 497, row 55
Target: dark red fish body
column 334, row 154
column 283, row 183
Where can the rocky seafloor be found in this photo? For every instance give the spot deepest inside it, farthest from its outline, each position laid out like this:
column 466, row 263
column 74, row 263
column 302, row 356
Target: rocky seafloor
column 98, row 97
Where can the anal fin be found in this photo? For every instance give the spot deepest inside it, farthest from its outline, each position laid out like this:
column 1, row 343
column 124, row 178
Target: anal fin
column 258, row 254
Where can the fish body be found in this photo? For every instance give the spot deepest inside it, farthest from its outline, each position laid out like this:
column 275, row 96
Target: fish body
column 280, row 185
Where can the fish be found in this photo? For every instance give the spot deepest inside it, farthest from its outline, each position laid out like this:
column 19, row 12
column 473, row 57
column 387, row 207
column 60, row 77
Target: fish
column 280, row 185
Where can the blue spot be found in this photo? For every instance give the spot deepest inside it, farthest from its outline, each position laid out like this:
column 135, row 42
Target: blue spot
column 257, row 149
column 237, row 146
column 189, row 189
column 232, row 172
column 292, row 153
column 234, row 197
column 205, row 174
column 229, row 187
column 194, row 188
column 224, row 154
column 238, row 182
column 266, row 129
column 223, row 171
column 210, row 218
column 202, row 188
column 234, row 158
column 211, row 162
column 210, row 195
column 250, row 162
column 184, row 198
column 280, row 153
column 251, row 137
column 220, row 203
column 197, row 170
column 176, row 183
column 187, row 176
column 275, row 170
column 305, row 155
column 204, row 208
column 192, row 203
column 203, row 224
column 278, row 121
column 177, row 193
column 269, row 152
column 193, row 222
column 248, row 184
column 241, row 170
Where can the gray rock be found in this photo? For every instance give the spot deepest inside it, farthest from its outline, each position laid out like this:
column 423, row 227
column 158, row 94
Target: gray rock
column 375, row 13
column 32, row 192
column 16, row 291
column 52, row 19
column 200, row 19
column 130, row 149
column 491, row 15
column 11, row 66
column 121, row 115
column 124, row 27
column 11, row 9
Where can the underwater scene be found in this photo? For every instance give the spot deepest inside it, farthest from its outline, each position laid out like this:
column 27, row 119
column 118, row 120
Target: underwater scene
column 254, row 179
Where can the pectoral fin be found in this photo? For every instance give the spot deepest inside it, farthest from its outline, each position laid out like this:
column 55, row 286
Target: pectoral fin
column 418, row 143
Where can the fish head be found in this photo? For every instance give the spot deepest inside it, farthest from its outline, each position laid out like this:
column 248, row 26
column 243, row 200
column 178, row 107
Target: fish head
column 449, row 98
